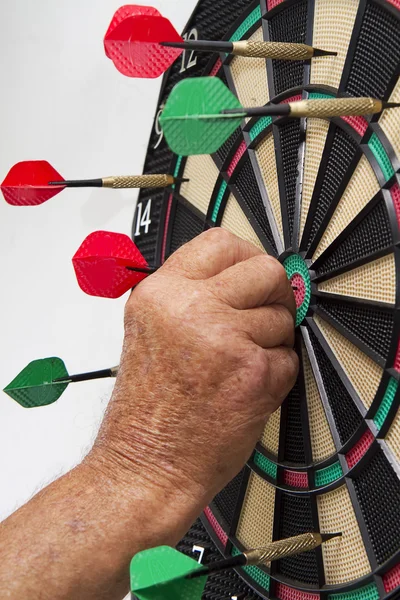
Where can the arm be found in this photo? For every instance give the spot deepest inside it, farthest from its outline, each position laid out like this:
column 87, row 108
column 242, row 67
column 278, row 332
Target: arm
column 207, row 357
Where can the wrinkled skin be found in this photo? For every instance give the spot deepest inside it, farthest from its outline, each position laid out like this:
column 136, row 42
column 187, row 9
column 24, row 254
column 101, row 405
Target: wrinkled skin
column 207, row 358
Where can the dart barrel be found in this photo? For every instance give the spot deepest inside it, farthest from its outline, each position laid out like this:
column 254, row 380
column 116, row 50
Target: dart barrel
column 281, row 548
column 335, row 107
column 138, row 181
column 277, row 50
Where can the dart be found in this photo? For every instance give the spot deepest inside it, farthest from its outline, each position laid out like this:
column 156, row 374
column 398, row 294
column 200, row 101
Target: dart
column 273, row 551
column 163, row 572
column 109, row 264
column 32, row 182
column 143, row 43
column 201, row 113
column 43, row 381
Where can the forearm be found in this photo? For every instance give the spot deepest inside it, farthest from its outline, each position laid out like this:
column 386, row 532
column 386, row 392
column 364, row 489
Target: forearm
column 76, row 537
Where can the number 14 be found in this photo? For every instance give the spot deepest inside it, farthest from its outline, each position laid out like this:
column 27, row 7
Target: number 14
column 143, row 218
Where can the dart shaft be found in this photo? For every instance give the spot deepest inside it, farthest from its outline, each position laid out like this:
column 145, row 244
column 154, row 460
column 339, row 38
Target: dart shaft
column 148, row 270
column 112, row 372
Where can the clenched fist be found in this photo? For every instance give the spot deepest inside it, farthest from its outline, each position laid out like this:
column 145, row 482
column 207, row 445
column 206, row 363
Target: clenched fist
column 207, row 358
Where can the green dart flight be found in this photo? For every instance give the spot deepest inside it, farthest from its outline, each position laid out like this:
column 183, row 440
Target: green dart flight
column 160, row 574
column 201, row 113
column 43, row 381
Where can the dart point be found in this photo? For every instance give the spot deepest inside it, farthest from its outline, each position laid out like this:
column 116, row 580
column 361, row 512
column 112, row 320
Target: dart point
column 391, row 105
column 329, row 536
column 318, row 52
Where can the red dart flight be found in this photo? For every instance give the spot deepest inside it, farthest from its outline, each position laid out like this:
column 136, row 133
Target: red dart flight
column 27, row 183
column 105, row 264
column 133, row 39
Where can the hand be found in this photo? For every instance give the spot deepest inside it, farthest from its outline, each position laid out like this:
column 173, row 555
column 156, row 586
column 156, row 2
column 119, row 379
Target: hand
column 207, row 358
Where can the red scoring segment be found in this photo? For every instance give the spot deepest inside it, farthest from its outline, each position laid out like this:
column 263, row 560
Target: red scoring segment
column 26, row 183
column 101, row 264
column 133, row 39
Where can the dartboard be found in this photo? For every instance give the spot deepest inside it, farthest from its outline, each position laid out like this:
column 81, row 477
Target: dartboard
column 323, row 197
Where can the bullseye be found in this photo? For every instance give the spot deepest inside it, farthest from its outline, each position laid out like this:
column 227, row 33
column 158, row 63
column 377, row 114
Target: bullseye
column 297, row 272
column 299, row 289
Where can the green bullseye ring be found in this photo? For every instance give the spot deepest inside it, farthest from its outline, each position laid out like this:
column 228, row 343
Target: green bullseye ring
column 295, row 267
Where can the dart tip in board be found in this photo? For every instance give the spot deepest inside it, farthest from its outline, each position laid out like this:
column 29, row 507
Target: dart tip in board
column 319, row 52
column 390, row 105
column 180, row 179
column 329, row 536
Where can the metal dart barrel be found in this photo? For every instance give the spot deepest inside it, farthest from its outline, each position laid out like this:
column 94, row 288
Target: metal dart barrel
column 139, row 181
column 288, row 547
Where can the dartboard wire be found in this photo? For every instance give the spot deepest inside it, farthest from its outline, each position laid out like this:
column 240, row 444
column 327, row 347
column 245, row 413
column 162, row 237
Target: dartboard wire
column 348, row 70
column 308, row 244
column 280, row 126
column 295, row 241
column 338, row 367
column 353, row 44
column 345, row 331
column 266, row 202
column 375, row 128
column 363, row 150
column 321, row 386
column 361, row 521
column 348, row 232
column 306, row 437
column 387, row 6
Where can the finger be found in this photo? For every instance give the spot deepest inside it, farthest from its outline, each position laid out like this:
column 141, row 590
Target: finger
column 268, row 326
column 210, row 253
column 282, row 373
column 258, row 281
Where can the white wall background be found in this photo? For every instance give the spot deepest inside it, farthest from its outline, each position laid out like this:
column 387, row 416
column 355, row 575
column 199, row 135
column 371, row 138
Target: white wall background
column 63, row 101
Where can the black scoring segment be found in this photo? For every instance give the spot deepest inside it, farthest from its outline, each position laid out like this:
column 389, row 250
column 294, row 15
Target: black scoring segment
column 225, row 149
column 247, row 187
column 336, row 163
column 296, row 518
column 289, row 25
column 372, row 234
column 379, row 37
column 186, row 226
column 371, row 325
column 223, row 584
column 293, row 438
column 378, row 491
column 289, row 139
column 226, row 500
column 345, row 414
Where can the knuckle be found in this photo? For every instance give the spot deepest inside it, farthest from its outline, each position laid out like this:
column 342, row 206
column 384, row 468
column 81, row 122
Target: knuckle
column 217, row 234
column 291, row 365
